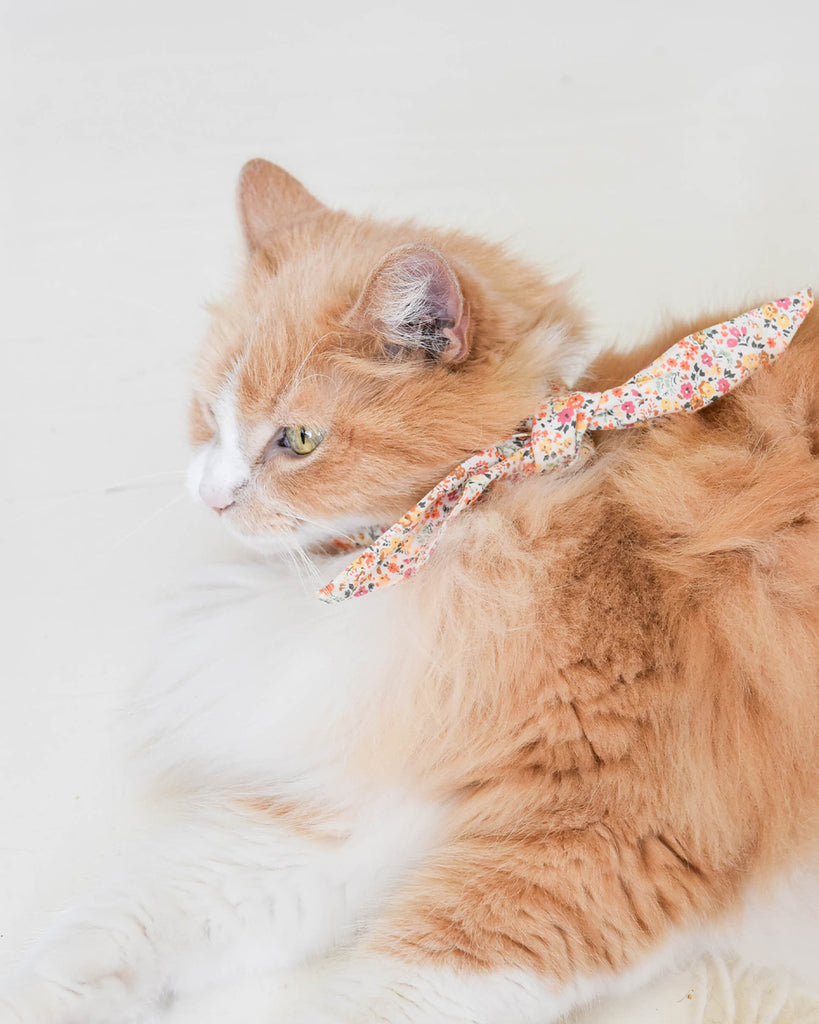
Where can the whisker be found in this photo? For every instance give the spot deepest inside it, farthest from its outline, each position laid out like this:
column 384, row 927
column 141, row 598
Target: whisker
column 286, row 509
column 292, row 553
column 160, row 479
column 309, row 566
column 149, row 519
column 319, row 376
column 102, row 558
column 296, row 379
column 50, row 501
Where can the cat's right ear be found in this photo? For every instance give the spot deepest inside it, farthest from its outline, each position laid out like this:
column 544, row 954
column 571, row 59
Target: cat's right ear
column 414, row 303
column 269, row 200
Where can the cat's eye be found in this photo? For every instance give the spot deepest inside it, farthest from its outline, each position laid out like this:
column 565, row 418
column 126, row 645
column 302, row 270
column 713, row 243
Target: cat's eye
column 301, row 440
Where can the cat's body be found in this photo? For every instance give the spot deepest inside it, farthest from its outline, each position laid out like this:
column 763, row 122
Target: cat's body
column 518, row 779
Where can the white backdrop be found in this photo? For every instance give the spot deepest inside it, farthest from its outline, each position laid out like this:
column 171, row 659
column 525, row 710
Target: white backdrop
column 667, row 156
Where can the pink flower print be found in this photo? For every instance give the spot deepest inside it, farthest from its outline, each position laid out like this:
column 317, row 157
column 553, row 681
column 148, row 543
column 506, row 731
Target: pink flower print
column 686, row 390
column 628, row 408
column 723, row 385
column 783, row 303
column 732, row 341
column 707, row 359
column 565, row 416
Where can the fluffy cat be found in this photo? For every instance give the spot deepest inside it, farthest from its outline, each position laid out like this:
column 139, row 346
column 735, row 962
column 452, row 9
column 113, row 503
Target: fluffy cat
column 525, row 776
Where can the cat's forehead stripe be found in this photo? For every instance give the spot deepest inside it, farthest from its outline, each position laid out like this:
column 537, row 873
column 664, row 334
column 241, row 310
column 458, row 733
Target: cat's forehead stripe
column 266, row 376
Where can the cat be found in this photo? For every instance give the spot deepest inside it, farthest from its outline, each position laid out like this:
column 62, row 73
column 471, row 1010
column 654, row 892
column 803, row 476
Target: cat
column 527, row 776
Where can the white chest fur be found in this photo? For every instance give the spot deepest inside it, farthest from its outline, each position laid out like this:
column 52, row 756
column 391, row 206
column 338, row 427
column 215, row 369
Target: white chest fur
column 260, row 684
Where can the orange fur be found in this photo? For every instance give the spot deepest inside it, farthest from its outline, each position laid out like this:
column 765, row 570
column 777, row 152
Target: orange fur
column 301, row 818
column 614, row 679
column 633, row 654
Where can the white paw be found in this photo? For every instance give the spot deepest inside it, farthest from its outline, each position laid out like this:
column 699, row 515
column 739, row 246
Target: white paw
column 32, row 1000
column 241, row 1001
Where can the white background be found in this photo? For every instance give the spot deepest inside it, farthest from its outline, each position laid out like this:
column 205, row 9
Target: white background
column 667, row 155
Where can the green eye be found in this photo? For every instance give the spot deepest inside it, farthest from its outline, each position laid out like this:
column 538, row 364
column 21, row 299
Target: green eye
column 302, row 440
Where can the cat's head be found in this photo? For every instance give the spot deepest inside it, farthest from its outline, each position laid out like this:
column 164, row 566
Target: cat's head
column 357, row 362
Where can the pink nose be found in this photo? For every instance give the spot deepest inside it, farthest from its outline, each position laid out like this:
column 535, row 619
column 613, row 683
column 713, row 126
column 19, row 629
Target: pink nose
column 216, row 498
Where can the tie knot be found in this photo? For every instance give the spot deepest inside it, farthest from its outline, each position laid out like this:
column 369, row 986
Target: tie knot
column 559, row 427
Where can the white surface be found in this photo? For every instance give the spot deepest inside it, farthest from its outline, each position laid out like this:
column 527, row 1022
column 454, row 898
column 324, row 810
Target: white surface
column 666, row 155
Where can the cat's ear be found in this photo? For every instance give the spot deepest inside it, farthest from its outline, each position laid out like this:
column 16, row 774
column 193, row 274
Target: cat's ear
column 270, row 199
column 413, row 301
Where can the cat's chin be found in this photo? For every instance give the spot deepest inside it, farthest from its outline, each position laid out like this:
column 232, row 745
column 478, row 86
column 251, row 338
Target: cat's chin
column 314, row 538
column 267, row 543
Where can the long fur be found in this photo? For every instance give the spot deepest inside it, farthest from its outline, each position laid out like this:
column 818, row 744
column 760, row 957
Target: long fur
column 515, row 781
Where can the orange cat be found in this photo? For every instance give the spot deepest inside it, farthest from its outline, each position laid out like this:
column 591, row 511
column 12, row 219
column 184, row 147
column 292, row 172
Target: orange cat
column 519, row 779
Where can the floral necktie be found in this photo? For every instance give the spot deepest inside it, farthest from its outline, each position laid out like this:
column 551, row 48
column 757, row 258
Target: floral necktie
column 692, row 373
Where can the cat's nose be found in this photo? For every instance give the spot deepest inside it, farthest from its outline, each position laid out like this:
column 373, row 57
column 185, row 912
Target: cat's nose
column 224, row 472
column 215, row 497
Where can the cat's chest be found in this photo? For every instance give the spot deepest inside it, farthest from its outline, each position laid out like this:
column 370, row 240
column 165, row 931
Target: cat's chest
column 259, row 682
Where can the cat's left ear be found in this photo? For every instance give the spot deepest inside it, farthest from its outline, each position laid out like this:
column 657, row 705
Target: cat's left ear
column 269, row 200
column 413, row 301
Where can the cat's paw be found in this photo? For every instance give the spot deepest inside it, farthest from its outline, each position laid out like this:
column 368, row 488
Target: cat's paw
column 247, row 1000
column 36, row 1001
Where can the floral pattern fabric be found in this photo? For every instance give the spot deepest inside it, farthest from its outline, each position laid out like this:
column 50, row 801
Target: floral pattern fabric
column 693, row 372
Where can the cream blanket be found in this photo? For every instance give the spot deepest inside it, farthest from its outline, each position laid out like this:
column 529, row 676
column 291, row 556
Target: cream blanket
column 714, row 991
